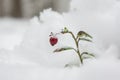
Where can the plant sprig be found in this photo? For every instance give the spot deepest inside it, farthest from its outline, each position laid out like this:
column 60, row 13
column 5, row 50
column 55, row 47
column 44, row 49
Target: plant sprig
column 81, row 36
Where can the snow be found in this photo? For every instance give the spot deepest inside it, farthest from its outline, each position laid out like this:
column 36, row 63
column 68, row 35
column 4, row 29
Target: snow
column 26, row 54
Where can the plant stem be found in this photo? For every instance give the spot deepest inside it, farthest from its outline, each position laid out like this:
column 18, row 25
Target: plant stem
column 74, row 39
column 77, row 45
column 80, row 57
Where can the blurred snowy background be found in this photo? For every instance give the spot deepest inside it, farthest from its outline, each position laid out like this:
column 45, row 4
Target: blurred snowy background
column 25, row 51
column 30, row 8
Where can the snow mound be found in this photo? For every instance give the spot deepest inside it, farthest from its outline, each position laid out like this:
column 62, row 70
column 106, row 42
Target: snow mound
column 33, row 58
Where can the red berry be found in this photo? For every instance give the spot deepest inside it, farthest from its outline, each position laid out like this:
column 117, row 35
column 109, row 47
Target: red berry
column 53, row 40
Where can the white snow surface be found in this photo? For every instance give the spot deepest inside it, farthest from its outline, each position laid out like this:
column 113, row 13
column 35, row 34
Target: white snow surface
column 26, row 54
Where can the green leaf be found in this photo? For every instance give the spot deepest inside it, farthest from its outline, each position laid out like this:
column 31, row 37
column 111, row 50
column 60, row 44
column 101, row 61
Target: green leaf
column 82, row 33
column 65, row 30
column 63, row 49
column 84, row 39
column 86, row 55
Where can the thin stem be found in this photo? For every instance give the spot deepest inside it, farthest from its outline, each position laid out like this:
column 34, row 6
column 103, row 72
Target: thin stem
column 77, row 45
column 80, row 57
column 75, row 50
column 74, row 39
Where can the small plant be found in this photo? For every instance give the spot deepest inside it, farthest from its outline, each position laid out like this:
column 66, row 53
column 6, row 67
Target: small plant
column 81, row 36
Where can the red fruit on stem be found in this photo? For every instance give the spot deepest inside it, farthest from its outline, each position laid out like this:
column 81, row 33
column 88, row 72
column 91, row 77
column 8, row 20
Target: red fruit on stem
column 53, row 40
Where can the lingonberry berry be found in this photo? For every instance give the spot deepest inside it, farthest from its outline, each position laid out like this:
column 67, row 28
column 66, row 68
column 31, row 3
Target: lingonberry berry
column 53, row 39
